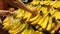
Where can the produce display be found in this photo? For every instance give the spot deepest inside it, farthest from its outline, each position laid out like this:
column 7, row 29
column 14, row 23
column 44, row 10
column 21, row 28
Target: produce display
column 24, row 22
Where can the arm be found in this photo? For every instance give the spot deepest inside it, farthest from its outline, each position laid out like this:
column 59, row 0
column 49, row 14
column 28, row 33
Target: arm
column 17, row 4
column 21, row 5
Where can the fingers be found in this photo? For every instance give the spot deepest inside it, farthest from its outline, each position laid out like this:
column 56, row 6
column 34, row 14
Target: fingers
column 57, row 27
column 5, row 12
column 35, row 13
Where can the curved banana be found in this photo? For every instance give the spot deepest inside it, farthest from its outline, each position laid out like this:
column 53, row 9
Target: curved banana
column 28, row 17
column 25, row 15
column 19, row 29
column 34, row 18
column 44, row 10
column 50, row 24
column 15, row 26
column 43, row 19
column 20, row 15
column 45, row 22
column 31, row 31
column 6, row 25
column 25, row 31
column 36, row 21
column 13, row 31
column 6, row 19
column 36, row 32
column 56, row 4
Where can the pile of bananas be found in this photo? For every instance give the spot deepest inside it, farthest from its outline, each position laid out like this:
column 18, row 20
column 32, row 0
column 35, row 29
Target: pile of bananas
column 24, row 22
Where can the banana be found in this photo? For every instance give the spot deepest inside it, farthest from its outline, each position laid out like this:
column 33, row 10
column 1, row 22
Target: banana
column 36, row 21
column 50, row 24
column 57, row 14
column 20, row 15
column 56, row 4
column 52, row 32
column 6, row 19
column 37, row 27
column 19, row 29
column 13, row 31
column 40, row 29
column 52, row 11
column 39, row 7
column 6, row 25
column 25, row 15
column 23, row 27
column 44, row 10
column 25, row 31
column 36, row 32
column 43, row 19
column 44, row 24
column 53, row 25
column 34, row 2
column 29, row 15
column 41, row 33
column 34, row 18
column 17, row 12
column 31, row 31
column 16, row 25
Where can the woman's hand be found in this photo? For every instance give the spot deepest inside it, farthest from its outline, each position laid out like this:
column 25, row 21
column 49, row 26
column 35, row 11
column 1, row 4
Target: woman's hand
column 34, row 11
column 5, row 12
column 57, row 27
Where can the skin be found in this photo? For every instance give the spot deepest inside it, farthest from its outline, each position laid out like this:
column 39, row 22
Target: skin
column 21, row 5
column 57, row 27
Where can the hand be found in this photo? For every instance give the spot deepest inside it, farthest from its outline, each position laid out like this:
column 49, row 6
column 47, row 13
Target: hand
column 57, row 27
column 5, row 12
column 34, row 11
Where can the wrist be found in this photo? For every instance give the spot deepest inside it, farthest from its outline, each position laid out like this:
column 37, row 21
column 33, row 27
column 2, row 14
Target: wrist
column 29, row 10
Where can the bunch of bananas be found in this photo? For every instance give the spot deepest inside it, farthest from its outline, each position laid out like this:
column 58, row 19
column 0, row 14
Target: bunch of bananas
column 24, row 22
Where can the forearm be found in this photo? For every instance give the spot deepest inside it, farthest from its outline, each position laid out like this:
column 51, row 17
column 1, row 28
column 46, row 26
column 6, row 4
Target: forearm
column 23, row 6
column 18, row 4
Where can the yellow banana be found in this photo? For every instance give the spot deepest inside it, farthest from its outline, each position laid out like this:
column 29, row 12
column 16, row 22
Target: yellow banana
column 44, row 10
column 6, row 25
column 20, row 15
column 36, row 32
column 36, row 21
column 6, row 19
column 31, row 31
column 40, row 29
column 25, row 15
column 44, row 24
column 41, row 33
column 50, row 24
column 25, row 31
column 34, row 18
column 56, row 4
column 15, row 26
column 36, row 27
column 39, row 7
column 52, row 11
column 28, row 17
column 13, row 31
column 57, row 15
column 42, row 19
column 19, row 29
